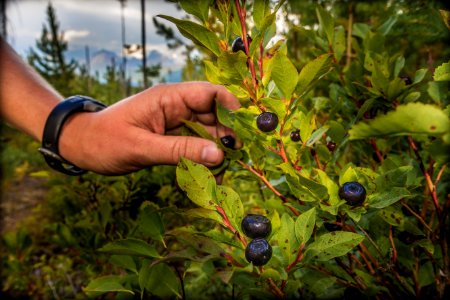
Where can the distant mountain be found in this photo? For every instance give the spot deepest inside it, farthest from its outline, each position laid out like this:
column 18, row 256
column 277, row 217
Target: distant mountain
column 100, row 59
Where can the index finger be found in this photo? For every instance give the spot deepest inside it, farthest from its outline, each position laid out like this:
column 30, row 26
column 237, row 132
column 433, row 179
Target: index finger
column 200, row 96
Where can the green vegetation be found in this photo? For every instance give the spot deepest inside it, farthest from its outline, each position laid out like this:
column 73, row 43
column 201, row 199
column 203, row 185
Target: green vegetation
column 335, row 76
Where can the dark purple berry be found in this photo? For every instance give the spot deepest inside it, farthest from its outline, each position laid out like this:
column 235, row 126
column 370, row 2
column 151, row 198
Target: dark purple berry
column 331, row 146
column 238, row 44
column 295, row 135
column 228, row 141
column 331, row 226
column 258, row 252
column 406, row 79
column 267, row 121
column 256, row 226
column 353, row 193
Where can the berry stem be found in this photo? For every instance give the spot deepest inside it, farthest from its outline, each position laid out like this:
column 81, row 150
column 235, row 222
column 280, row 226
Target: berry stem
column 269, row 186
column 297, row 260
column 242, row 14
column 227, row 224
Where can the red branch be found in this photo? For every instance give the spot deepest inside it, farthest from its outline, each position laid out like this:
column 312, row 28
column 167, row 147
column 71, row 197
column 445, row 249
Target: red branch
column 242, row 14
column 391, row 240
column 269, row 186
column 427, row 175
column 227, row 224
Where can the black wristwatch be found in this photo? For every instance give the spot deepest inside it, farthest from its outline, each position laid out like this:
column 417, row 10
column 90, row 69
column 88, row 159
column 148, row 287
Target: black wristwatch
column 52, row 130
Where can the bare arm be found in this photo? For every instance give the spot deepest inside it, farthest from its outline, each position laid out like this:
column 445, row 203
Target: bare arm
column 136, row 132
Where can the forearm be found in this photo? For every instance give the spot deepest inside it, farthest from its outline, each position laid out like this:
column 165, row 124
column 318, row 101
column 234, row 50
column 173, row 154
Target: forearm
column 26, row 99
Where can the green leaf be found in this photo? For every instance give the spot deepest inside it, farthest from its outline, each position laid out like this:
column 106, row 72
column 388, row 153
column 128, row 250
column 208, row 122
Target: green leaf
column 317, row 135
column 409, row 119
column 198, row 182
column 130, row 246
column 232, row 67
column 198, row 8
column 392, row 216
column 225, row 116
column 307, row 125
column 326, row 23
column 150, row 223
column 204, row 213
column 339, row 42
column 442, row 73
column 105, row 284
column 160, row 280
column 199, row 130
column 386, row 27
column 386, row 198
column 231, row 203
column 287, row 239
column 304, row 225
column 420, row 74
column 333, row 244
column 261, row 8
column 284, row 74
column 312, row 72
column 196, row 33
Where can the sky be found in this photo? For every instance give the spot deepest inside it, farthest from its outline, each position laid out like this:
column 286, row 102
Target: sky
column 93, row 23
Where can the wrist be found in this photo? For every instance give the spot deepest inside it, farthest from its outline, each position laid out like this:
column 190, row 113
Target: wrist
column 63, row 113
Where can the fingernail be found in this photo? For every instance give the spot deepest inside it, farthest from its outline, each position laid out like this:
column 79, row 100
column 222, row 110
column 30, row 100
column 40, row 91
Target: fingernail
column 211, row 154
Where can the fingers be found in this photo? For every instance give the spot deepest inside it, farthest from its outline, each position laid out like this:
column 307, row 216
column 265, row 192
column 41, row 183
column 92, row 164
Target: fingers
column 201, row 96
column 159, row 149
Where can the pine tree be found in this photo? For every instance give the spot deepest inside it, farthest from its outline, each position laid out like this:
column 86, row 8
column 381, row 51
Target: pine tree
column 49, row 60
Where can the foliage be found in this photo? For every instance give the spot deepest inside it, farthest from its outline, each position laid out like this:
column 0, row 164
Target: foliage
column 338, row 76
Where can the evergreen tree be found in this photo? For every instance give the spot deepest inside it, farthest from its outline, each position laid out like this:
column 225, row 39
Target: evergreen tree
column 49, row 60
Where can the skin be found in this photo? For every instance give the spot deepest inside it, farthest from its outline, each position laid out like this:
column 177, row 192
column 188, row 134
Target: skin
column 139, row 131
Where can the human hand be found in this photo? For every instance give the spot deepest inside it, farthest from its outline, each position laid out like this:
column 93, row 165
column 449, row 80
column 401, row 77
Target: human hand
column 143, row 130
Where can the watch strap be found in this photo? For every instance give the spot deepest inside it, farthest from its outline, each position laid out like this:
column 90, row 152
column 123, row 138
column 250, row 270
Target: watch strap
column 53, row 127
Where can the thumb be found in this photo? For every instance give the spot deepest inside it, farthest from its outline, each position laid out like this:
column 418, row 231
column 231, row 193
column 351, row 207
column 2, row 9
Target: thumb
column 171, row 149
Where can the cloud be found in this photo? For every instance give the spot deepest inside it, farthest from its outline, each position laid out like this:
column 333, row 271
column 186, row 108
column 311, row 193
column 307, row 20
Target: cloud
column 71, row 34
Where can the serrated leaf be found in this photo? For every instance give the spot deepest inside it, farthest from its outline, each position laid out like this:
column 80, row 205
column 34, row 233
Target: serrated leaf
column 284, row 74
column 389, row 197
column 105, row 284
column 196, row 33
column 312, row 72
column 333, row 244
column 304, row 225
column 326, row 23
column 442, row 73
column 130, row 246
column 409, row 119
column 198, row 182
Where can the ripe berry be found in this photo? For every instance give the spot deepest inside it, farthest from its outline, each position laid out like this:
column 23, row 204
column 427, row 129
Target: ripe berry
column 331, row 226
column 406, row 79
column 228, row 141
column 238, row 44
column 295, row 135
column 352, row 192
column 331, row 146
column 258, row 252
column 267, row 121
column 256, row 226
